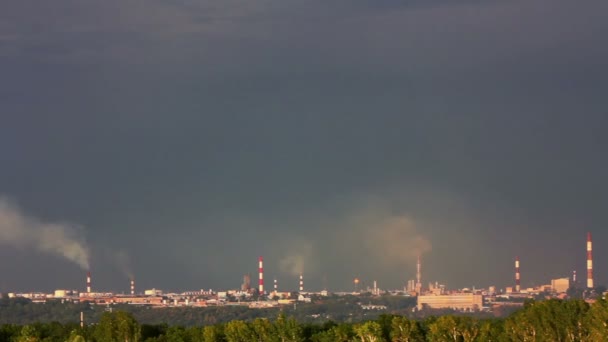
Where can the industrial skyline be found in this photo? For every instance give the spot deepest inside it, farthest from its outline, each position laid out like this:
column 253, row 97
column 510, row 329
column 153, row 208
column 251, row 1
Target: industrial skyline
column 414, row 287
column 174, row 142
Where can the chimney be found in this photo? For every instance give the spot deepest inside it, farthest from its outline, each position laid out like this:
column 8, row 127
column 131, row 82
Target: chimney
column 589, row 262
column 517, row 276
column 418, row 276
column 261, row 272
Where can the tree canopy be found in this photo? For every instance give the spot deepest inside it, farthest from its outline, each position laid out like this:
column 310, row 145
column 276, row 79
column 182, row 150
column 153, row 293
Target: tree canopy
column 542, row 321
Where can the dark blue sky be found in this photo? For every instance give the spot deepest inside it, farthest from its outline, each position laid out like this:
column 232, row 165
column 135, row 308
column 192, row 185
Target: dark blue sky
column 185, row 138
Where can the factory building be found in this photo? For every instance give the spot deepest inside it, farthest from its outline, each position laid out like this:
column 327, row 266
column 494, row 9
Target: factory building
column 560, row 285
column 457, row 301
column 153, row 292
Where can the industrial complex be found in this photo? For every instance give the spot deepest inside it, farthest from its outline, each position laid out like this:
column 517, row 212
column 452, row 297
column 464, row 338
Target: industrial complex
column 433, row 296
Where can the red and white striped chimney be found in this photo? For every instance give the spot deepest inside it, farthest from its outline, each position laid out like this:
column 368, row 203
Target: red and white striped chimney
column 261, row 272
column 88, row 282
column 589, row 262
column 517, row 276
column 132, row 286
column 301, row 283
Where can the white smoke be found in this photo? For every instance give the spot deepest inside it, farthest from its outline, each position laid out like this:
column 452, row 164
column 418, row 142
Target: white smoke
column 300, row 254
column 366, row 237
column 390, row 239
column 122, row 261
column 23, row 231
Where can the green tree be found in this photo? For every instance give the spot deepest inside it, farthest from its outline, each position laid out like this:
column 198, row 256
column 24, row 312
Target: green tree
column 287, row 329
column 176, row 334
column 574, row 320
column 237, row 331
column 343, row 332
column 213, row 333
column 550, row 320
column 369, row 331
column 29, row 333
column 323, row 336
column 195, row 334
column 469, row 328
column 597, row 320
column 405, row 330
column 445, row 329
column 153, row 331
column 9, row 332
column 117, row 326
column 491, row 330
column 75, row 336
column 263, row 330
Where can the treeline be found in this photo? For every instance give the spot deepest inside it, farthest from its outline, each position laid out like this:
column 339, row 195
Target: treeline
column 550, row 321
column 22, row 311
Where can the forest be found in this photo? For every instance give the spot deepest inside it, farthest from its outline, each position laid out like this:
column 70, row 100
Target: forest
column 339, row 309
column 550, row 321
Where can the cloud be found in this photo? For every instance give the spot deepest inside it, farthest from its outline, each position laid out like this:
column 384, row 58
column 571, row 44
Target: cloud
column 21, row 230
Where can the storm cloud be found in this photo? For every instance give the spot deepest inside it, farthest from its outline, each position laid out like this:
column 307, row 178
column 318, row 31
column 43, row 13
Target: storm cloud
column 338, row 139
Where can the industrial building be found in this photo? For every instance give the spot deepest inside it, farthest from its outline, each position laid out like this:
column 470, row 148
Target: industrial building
column 457, row 301
column 560, row 285
column 436, row 296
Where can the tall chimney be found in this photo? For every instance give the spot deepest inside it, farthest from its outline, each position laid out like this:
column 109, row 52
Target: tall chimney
column 517, row 276
column 88, row 282
column 418, row 276
column 589, row 262
column 301, row 283
column 574, row 277
column 275, row 285
column 261, row 272
column 132, row 287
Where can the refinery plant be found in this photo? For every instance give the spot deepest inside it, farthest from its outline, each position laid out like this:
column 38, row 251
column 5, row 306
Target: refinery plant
column 433, row 296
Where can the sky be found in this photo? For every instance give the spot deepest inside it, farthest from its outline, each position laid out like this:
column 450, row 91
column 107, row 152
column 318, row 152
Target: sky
column 177, row 141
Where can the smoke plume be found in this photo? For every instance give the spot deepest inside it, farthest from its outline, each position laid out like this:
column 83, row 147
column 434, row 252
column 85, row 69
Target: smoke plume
column 367, row 238
column 21, row 230
column 300, row 252
column 122, row 261
column 392, row 239
column 376, row 237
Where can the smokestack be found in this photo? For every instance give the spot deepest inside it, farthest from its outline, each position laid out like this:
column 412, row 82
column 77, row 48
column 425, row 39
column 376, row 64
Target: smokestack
column 88, row 282
column 418, row 276
column 301, row 283
column 574, row 277
column 589, row 262
column 375, row 288
column 261, row 272
column 275, row 285
column 517, row 277
column 132, row 287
